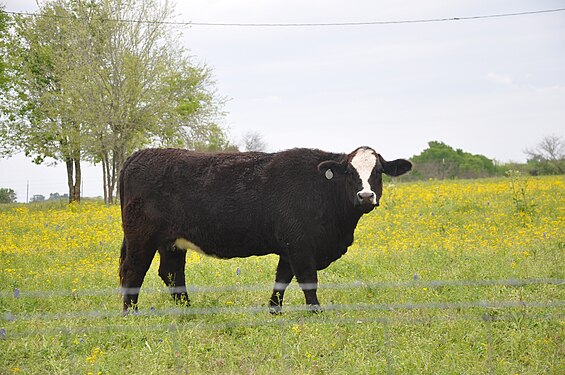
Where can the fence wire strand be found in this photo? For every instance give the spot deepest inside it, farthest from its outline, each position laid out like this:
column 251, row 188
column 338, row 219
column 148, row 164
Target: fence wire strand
column 182, row 320
column 21, row 292
column 255, row 310
column 283, row 322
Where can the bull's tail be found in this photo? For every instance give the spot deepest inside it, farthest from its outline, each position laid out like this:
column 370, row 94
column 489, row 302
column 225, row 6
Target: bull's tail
column 123, row 249
column 121, row 187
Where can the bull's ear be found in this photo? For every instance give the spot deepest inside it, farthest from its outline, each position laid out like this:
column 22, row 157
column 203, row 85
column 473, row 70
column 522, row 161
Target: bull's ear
column 396, row 167
column 331, row 168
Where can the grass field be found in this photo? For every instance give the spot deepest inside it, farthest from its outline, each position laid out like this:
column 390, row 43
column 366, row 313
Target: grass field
column 446, row 277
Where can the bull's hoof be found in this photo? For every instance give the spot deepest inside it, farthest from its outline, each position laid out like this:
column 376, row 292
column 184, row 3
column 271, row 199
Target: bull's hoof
column 130, row 311
column 315, row 309
column 181, row 299
column 275, row 309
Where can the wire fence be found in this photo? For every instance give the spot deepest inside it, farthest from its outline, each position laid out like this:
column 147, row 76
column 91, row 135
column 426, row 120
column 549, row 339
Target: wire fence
column 20, row 293
column 18, row 325
column 416, row 282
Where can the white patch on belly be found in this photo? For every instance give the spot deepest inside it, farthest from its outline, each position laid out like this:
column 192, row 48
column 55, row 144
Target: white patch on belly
column 183, row 243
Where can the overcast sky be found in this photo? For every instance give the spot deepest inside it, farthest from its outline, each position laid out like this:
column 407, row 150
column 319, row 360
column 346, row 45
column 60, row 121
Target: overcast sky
column 490, row 86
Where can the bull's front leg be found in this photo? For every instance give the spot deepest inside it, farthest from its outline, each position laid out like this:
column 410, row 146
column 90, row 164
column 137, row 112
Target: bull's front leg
column 304, row 268
column 310, row 289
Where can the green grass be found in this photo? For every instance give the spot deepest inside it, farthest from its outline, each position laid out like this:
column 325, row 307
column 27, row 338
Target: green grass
column 410, row 297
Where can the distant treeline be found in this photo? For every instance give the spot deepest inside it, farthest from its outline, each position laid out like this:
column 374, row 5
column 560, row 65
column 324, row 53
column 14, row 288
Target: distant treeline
column 8, row 195
column 52, row 197
column 441, row 161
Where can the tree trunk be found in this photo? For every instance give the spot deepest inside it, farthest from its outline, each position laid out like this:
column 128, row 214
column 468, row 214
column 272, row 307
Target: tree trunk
column 106, row 175
column 78, row 179
column 73, row 178
column 70, row 168
column 113, row 179
column 104, row 180
column 112, row 162
column 113, row 174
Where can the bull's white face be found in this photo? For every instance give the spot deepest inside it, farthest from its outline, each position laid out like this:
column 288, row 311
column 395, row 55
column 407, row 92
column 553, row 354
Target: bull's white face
column 364, row 162
column 361, row 175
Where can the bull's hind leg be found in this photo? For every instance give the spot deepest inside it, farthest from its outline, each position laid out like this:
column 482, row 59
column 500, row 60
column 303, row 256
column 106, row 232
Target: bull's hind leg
column 139, row 248
column 133, row 269
column 283, row 278
column 171, row 270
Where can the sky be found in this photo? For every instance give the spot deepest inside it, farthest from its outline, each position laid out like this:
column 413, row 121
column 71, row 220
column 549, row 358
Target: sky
column 490, row 86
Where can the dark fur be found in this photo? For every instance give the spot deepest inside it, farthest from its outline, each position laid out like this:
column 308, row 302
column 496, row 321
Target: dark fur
column 239, row 205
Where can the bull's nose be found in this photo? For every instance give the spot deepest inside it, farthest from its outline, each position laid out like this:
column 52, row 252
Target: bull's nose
column 366, row 196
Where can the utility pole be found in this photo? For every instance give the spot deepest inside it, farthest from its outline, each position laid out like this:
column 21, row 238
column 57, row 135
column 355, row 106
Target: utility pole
column 27, row 192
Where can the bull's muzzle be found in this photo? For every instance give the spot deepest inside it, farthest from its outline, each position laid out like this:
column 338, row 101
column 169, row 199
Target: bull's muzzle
column 367, row 198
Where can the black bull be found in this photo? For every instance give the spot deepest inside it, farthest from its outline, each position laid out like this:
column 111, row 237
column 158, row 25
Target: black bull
column 300, row 204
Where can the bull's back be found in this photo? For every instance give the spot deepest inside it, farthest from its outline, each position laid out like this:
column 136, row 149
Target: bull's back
column 213, row 201
column 169, row 172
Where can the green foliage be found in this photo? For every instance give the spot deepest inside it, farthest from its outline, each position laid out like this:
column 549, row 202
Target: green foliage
column 548, row 157
column 84, row 86
column 438, row 151
column 211, row 139
column 545, row 167
column 442, row 161
column 7, row 195
column 4, row 27
column 519, row 189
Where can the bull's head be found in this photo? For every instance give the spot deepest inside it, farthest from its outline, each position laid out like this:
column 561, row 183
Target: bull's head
column 361, row 173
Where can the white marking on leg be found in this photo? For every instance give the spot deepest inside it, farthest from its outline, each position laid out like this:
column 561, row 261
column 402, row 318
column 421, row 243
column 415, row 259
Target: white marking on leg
column 280, row 286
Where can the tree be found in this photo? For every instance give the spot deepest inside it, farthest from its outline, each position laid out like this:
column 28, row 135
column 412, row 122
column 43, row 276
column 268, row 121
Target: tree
column 98, row 79
column 144, row 88
column 548, row 157
column 57, row 197
column 37, row 198
column 7, row 195
column 437, row 161
column 442, row 161
column 4, row 28
column 6, row 77
column 37, row 103
column 253, row 141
